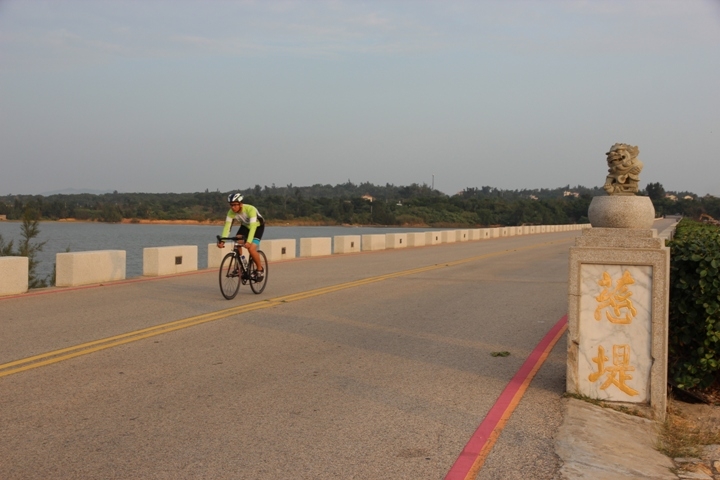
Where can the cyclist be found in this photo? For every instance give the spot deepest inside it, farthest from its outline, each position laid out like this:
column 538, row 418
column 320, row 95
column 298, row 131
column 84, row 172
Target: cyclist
column 252, row 226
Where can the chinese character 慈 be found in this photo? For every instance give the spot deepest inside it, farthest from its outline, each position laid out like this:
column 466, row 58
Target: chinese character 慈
column 616, row 300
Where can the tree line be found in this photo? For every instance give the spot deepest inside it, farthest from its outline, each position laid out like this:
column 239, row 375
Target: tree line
column 354, row 204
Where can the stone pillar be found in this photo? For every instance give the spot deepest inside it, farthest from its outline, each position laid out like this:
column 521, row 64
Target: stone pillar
column 618, row 307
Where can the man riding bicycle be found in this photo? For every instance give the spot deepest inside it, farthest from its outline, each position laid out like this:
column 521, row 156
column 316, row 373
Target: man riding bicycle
column 252, row 226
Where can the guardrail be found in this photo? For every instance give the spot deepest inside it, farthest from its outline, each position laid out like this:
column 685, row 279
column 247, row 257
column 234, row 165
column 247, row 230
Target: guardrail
column 83, row 268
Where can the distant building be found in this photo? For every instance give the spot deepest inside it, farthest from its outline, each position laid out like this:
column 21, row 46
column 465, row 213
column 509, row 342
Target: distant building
column 688, row 197
column 533, row 197
column 367, row 197
column 3, row 217
column 570, row 194
column 671, row 197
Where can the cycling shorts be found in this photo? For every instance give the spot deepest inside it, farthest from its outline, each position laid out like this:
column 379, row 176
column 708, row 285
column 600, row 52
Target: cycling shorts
column 245, row 231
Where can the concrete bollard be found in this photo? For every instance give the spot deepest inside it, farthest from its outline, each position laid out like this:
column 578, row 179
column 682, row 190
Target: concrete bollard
column 462, row 235
column 372, row 242
column 85, row 268
column 346, row 243
column 448, row 236
column 432, row 238
column 416, row 239
column 216, row 255
column 485, row 233
column 315, row 246
column 395, row 240
column 13, row 275
column 159, row 261
column 280, row 249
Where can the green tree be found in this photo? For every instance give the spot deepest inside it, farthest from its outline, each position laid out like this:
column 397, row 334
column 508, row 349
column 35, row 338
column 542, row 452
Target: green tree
column 29, row 230
column 6, row 249
column 111, row 214
column 655, row 191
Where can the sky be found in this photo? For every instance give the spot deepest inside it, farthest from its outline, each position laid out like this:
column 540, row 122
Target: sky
column 188, row 95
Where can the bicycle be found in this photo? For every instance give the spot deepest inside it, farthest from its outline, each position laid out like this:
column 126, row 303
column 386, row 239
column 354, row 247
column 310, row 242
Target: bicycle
column 235, row 270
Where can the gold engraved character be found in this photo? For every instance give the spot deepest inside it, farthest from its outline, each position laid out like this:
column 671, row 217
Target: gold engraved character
column 616, row 299
column 600, row 361
column 617, row 374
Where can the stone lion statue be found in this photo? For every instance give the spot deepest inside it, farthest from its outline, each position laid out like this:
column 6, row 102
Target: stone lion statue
column 623, row 170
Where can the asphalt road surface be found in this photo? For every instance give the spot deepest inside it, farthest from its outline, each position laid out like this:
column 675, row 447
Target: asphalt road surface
column 362, row 366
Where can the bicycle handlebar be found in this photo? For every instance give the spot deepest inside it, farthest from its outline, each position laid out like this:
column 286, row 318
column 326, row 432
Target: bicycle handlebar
column 228, row 239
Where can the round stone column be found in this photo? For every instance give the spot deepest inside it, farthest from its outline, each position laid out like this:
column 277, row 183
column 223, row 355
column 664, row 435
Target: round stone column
column 621, row 211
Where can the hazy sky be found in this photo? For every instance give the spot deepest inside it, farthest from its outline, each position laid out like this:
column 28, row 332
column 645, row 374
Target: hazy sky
column 183, row 96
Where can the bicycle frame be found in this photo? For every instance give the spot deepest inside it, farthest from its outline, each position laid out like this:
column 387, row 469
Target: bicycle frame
column 236, row 269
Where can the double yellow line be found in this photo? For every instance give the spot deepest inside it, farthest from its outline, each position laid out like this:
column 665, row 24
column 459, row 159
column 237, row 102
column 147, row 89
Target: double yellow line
column 56, row 356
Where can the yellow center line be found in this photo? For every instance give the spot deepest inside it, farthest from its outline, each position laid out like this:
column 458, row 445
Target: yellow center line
column 67, row 353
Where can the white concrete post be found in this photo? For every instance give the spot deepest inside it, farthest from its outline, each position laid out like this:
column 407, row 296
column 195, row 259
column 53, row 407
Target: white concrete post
column 416, row 239
column 395, row 240
column 432, row 238
column 315, row 246
column 280, row 249
column 372, row 242
column 448, row 236
column 215, row 255
column 85, row 268
column 170, row 260
column 13, row 275
column 347, row 243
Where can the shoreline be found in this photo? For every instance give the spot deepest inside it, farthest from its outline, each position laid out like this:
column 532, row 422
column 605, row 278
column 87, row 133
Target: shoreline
column 286, row 223
column 279, row 223
column 144, row 221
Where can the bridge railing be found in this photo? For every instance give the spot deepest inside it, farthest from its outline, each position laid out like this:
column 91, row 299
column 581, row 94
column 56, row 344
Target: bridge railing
column 92, row 267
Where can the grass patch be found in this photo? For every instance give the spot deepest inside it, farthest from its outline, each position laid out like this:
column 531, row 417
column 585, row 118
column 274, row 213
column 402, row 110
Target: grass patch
column 681, row 436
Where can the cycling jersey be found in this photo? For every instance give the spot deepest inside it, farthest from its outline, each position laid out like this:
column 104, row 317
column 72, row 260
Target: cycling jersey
column 247, row 216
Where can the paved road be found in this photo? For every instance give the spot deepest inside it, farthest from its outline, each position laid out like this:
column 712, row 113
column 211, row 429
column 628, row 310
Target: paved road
column 385, row 378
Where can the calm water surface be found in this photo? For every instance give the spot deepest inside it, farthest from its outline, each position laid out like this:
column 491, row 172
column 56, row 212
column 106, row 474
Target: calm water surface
column 80, row 237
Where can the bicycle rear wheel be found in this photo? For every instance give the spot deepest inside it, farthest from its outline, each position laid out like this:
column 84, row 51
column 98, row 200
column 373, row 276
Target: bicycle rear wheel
column 230, row 276
column 255, row 285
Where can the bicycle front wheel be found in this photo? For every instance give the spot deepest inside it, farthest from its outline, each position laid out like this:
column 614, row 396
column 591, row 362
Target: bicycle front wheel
column 256, row 285
column 230, row 276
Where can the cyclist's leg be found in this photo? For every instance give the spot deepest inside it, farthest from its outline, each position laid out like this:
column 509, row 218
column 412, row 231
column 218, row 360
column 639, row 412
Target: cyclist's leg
column 255, row 245
column 253, row 250
column 242, row 233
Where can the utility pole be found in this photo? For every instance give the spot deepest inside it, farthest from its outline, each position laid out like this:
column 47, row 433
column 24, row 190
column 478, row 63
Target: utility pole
column 433, row 182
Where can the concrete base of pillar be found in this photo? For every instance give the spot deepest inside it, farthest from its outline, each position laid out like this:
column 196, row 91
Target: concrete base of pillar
column 618, row 317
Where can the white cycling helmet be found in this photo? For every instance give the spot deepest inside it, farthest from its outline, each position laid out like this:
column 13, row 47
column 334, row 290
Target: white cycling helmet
column 235, row 197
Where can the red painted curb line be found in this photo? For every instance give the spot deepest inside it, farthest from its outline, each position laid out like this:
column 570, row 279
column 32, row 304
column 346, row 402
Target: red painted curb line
column 471, row 459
